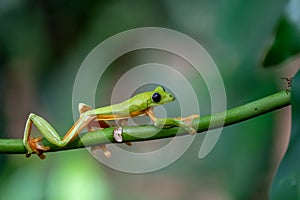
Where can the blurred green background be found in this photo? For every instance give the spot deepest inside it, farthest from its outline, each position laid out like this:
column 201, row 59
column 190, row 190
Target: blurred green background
column 43, row 43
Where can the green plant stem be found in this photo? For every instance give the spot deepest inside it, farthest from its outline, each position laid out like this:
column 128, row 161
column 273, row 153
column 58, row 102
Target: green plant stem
column 150, row 132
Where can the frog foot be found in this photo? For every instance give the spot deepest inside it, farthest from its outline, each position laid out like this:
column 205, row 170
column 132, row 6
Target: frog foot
column 36, row 147
column 106, row 152
column 188, row 123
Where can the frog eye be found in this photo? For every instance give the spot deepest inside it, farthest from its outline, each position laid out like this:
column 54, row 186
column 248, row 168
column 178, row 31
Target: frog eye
column 156, row 97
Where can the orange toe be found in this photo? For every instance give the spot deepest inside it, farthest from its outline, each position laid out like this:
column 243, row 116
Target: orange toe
column 37, row 147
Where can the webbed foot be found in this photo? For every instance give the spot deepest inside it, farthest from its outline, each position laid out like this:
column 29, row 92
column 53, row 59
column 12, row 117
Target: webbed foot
column 186, row 123
column 36, row 147
column 106, row 152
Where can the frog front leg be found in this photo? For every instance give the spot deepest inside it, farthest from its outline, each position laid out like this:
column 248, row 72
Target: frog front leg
column 185, row 123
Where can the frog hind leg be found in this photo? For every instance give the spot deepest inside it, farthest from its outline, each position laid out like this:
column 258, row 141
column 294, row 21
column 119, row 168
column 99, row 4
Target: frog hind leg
column 82, row 108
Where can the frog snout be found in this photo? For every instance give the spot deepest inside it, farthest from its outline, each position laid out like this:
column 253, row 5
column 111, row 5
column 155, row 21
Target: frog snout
column 171, row 97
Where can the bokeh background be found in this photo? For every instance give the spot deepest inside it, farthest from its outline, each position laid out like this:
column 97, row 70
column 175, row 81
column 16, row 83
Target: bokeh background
column 43, row 43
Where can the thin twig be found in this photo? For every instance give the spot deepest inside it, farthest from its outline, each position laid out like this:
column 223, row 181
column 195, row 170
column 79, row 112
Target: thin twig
column 150, row 132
